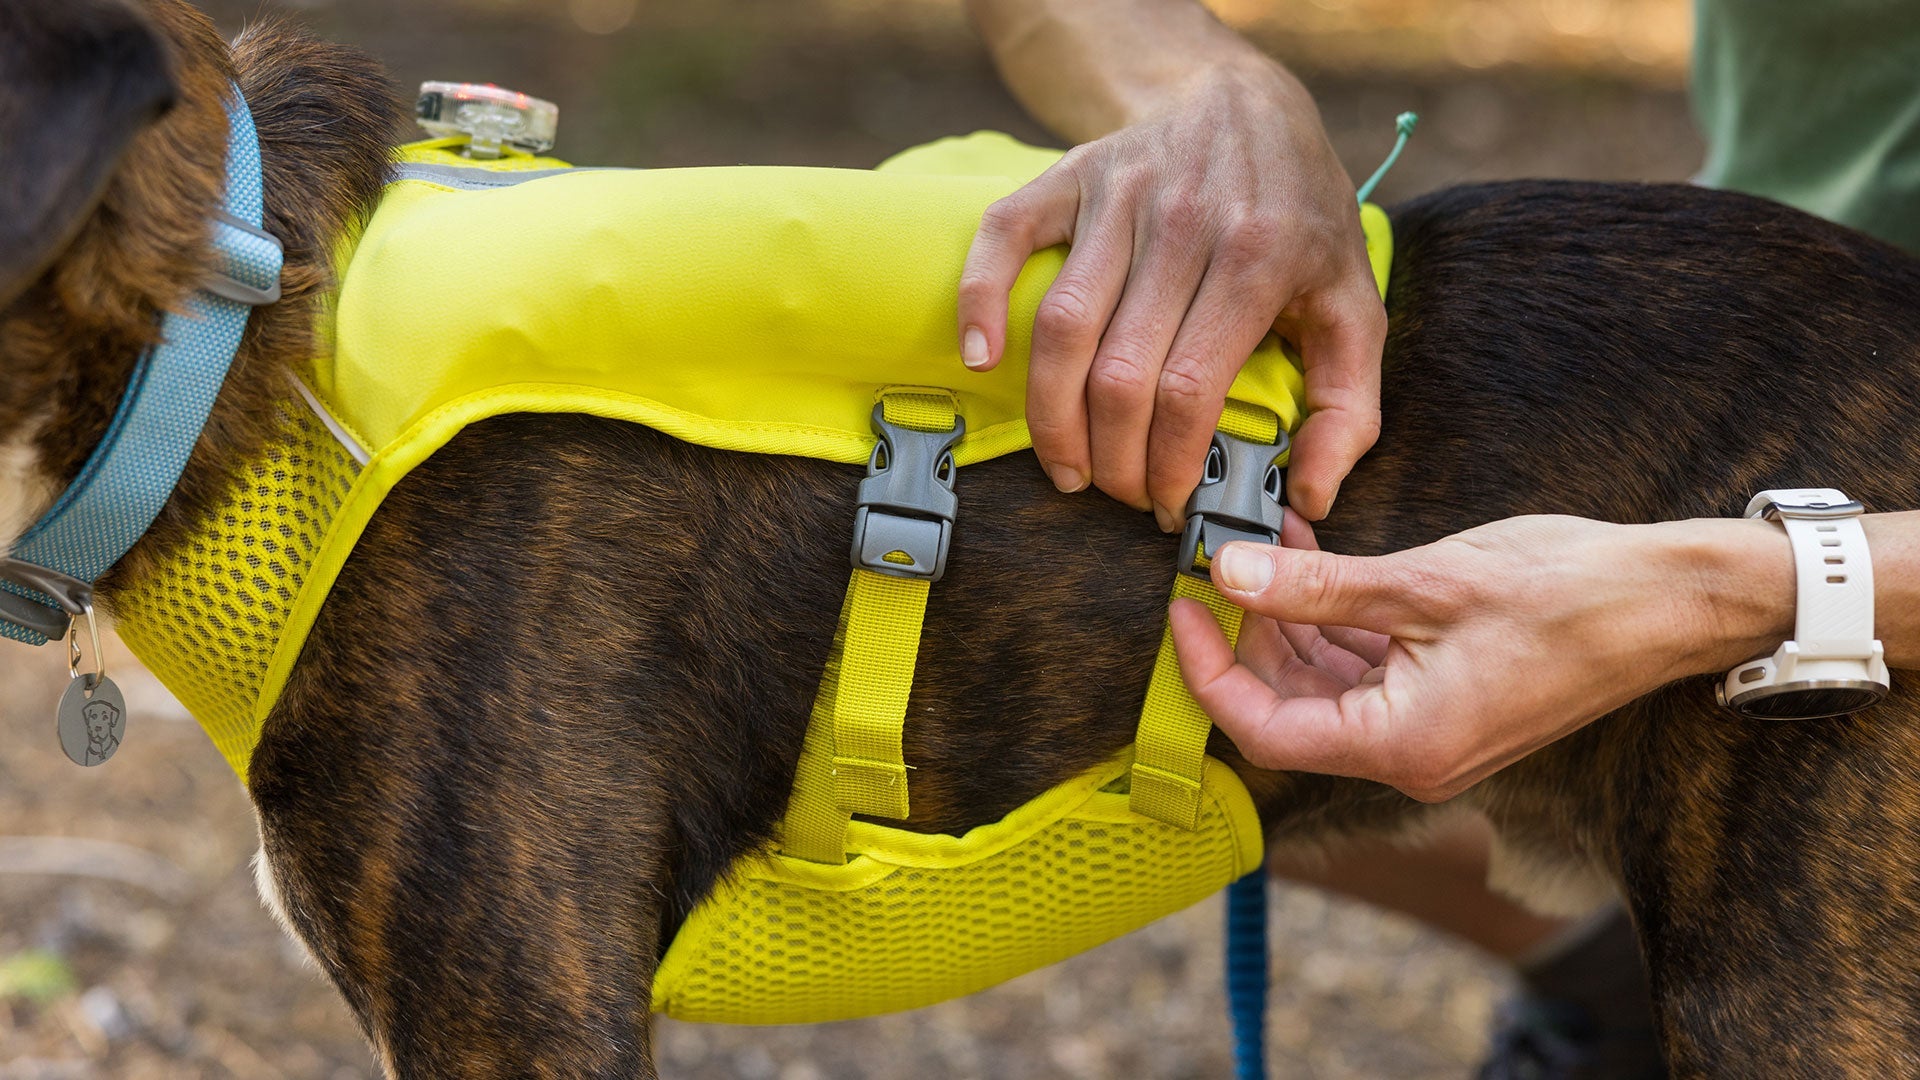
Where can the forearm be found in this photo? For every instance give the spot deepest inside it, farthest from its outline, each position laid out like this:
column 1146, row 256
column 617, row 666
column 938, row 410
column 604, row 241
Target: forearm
column 1086, row 68
column 1744, row 582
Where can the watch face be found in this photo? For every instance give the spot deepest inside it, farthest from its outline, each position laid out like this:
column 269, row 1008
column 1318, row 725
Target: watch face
column 1804, row 701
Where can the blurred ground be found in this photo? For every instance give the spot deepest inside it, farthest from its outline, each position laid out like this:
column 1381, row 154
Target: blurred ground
column 143, row 953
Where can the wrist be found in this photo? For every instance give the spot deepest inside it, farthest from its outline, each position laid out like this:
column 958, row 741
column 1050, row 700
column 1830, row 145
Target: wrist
column 1238, row 79
column 1736, row 581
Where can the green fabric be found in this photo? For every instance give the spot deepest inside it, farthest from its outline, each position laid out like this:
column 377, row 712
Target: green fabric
column 1815, row 103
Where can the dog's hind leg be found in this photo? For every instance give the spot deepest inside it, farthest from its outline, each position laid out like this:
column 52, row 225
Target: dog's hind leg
column 1772, row 871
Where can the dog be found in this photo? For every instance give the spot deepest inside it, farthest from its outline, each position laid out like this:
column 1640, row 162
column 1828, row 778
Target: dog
column 514, row 755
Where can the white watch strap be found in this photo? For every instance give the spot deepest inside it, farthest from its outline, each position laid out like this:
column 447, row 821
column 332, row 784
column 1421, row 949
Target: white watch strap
column 1834, row 615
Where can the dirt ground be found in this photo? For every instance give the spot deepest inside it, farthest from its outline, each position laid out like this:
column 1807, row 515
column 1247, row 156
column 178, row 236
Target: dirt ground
column 131, row 943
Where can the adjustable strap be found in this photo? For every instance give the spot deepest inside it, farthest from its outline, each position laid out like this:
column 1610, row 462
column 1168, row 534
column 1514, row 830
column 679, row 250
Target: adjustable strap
column 852, row 761
column 1238, row 499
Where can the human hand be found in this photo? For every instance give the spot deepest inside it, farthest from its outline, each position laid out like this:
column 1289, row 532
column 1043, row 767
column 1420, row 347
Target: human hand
column 1193, row 233
column 1430, row 669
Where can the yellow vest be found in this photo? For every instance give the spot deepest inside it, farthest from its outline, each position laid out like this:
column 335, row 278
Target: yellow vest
column 753, row 309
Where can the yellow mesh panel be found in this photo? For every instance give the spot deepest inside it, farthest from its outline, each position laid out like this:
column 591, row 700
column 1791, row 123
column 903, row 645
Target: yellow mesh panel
column 206, row 624
column 917, row 919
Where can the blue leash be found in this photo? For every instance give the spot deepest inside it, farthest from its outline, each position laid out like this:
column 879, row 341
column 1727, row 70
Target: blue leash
column 1247, row 973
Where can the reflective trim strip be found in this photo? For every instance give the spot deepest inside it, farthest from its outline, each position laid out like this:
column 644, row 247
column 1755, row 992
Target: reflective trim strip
column 474, row 177
column 340, row 434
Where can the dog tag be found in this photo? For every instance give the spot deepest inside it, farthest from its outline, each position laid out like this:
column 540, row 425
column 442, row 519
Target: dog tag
column 92, row 719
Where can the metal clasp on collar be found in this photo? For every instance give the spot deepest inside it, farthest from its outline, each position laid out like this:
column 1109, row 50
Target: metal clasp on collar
column 906, row 504
column 74, row 596
column 1239, row 498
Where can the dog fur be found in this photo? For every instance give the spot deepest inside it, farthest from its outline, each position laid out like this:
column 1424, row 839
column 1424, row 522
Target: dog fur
column 514, row 755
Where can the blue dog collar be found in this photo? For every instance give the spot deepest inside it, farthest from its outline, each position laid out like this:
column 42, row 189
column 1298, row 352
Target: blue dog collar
column 48, row 577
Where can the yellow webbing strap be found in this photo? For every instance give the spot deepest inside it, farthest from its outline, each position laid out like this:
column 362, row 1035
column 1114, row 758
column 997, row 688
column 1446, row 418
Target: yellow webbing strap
column 852, row 761
column 1171, row 744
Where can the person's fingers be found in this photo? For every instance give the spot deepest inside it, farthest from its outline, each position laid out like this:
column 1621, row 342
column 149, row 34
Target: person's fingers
column 1066, row 331
column 1340, row 348
column 1364, row 644
column 1321, row 589
column 1297, row 532
column 1039, row 215
column 1231, row 313
column 1319, row 651
column 1266, row 651
column 1126, row 368
column 1311, row 733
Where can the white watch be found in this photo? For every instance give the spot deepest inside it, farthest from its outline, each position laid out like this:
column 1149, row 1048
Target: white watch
column 1834, row 664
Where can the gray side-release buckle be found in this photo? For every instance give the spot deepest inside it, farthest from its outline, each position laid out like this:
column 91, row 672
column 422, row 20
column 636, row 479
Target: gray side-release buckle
column 1239, row 498
column 72, row 594
column 906, row 504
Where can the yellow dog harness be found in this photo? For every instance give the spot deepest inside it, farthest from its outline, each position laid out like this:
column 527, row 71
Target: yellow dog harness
column 768, row 310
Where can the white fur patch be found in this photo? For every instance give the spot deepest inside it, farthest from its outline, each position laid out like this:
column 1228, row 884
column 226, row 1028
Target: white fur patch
column 269, row 890
column 25, row 491
column 1549, row 882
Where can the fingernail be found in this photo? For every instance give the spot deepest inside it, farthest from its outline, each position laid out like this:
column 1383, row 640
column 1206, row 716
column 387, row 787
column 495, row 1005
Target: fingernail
column 1067, row 478
column 1168, row 520
column 1242, row 568
column 973, row 348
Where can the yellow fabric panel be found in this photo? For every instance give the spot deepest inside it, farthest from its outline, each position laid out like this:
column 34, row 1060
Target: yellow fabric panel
column 916, row 919
column 807, row 287
column 982, row 153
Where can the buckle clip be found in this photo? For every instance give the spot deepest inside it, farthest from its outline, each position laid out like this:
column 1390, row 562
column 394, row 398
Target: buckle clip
column 1239, row 498
column 904, row 520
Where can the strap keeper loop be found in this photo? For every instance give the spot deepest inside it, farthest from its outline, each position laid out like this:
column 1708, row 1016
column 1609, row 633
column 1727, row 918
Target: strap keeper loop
column 250, row 261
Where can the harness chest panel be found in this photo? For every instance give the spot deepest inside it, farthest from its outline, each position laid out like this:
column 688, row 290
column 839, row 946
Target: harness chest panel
column 749, row 309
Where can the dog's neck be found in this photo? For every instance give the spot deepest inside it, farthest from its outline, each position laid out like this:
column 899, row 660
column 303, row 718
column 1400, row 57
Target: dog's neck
column 327, row 120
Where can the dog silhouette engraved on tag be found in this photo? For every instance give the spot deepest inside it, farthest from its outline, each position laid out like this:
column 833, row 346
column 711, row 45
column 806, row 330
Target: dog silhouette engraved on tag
column 92, row 719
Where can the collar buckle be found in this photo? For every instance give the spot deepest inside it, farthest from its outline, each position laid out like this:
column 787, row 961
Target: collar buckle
column 1239, row 498
column 906, row 506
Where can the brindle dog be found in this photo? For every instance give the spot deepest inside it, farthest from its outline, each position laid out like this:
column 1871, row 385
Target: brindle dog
column 487, row 837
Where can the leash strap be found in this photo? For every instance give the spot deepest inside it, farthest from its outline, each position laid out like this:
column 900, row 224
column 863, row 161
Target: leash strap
column 49, row 575
column 1247, row 973
column 852, row 762
column 1170, row 745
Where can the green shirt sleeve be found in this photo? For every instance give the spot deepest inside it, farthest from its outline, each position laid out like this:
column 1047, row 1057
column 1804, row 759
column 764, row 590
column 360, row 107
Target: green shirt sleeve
column 1815, row 103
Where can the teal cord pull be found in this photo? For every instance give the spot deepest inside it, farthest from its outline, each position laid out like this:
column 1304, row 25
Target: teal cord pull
column 1404, row 125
